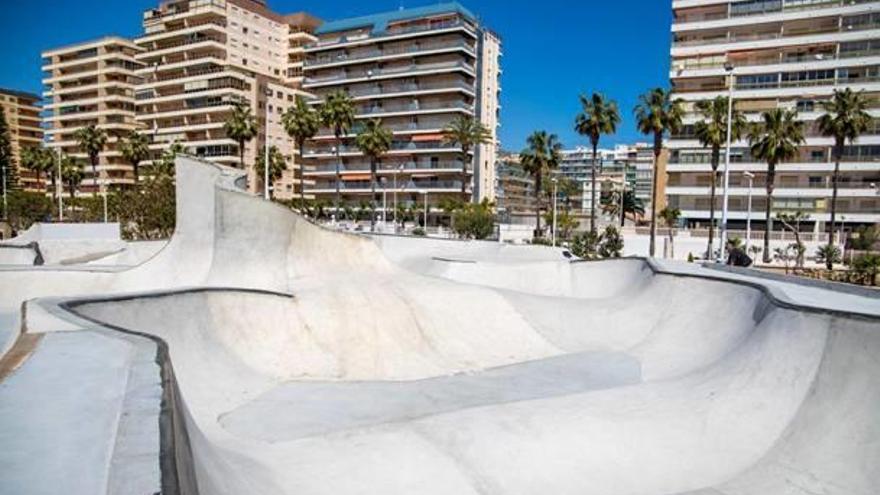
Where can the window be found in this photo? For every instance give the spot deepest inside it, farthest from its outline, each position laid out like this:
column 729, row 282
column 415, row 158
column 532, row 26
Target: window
column 279, row 95
column 244, row 30
column 805, row 105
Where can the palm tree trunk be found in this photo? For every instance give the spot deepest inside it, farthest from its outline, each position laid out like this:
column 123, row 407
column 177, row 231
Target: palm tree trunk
column 838, row 151
column 136, row 167
column 72, row 190
column 464, row 174
column 710, row 249
column 54, row 188
column 338, row 176
column 373, row 194
column 302, row 175
column 538, row 232
column 768, row 225
column 593, row 192
column 658, row 143
column 241, row 154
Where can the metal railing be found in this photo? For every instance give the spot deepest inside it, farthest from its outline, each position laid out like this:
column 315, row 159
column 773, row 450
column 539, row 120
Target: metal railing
column 326, row 59
column 781, row 9
column 389, row 71
column 388, row 167
column 394, row 32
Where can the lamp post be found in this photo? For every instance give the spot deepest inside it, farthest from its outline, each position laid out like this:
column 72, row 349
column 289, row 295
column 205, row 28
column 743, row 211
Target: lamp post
column 267, row 159
column 724, row 202
column 384, row 181
column 397, row 170
column 622, row 199
column 751, row 178
column 59, row 189
column 555, row 182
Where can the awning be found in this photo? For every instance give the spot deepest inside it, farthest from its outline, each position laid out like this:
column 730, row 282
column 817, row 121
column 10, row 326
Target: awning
column 354, row 177
column 421, row 138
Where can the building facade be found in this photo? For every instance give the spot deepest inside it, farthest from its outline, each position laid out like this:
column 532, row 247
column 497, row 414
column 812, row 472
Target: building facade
column 22, row 113
column 514, row 188
column 92, row 83
column 202, row 57
column 417, row 70
column 788, row 54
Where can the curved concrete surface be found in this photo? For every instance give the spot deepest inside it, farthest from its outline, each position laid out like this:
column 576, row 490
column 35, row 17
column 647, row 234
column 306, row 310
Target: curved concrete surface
column 332, row 363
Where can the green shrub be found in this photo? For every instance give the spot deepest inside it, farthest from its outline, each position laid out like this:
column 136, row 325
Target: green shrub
column 826, row 253
column 612, row 243
column 474, row 221
column 586, row 245
column 419, row 232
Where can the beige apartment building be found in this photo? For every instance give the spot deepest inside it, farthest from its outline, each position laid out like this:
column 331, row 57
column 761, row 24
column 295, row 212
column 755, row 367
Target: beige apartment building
column 416, row 69
column 22, row 114
column 201, row 57
column 777, row 53
column 92, row 83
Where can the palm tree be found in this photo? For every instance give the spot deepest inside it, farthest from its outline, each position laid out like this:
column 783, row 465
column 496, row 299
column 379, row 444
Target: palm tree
column 657, row 114
column 845, row 119
column 165, row 164
column 540, row 157
column 71, row 173
column 277, row 165
column 135, row 148
column 374, row 140
column 337, row 113
column 38, row 160
column 241, row 127
column 670, row 217
column 466, row 133
column 91, row 141
column 598, row 116
column 774, row 140
column 712, row 133
column 301, row 122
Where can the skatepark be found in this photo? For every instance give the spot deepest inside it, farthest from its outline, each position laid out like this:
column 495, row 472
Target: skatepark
column 259, row 353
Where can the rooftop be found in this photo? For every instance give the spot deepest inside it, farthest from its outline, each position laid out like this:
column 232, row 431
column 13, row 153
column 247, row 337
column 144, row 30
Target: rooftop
column 378, row 23
column 20, row 94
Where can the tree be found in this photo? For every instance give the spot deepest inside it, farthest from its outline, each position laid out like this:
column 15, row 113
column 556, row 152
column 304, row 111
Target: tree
column 566, row 223
column 38, row 160
column 7, row 164
column 374, row 140
column 301, row 122
column 611, row 245
column 586, row 245
column 670, row 217
column 337, row 113
column 540, row 157
column 165, row 164
column 27, row 208
column 475, row 221
column 91, row 141
column 277, row 166
column 71, row 174
column 598, row 116
column 774, row 140
column 792, row 223
column 657, row 114
column 845, row 119
column 466, row 133
column 148, row 212
column 828, row 254
column 135, row 148
column 711, row 131
column 241, row 127
column 631, row 205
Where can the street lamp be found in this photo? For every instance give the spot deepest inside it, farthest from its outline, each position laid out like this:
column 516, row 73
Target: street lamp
column 751, row 178
column 397, row 170
column 59, row 189
column 384, row 181
column 622, row 196
column 728, row 67
column 555, row 182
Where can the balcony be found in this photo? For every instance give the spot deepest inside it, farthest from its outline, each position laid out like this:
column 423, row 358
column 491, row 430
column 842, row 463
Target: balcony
column 397, row 89
column 408, row 186
column 340, row 59
column 389, row 72
column 191, row 7
column 458, row 23
column 431, row 107
column 388, row 168
column 730, row 38
column 406, row 147
column 777, row 8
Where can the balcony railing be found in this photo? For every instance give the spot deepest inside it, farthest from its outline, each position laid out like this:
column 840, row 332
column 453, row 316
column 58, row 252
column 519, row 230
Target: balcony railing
column 341, row 57
column 716, row 16
column 396, row 32
column 413, row 107
column 388, row 71
column 743, row 37
column 185, row 42
column 388, row 167
column 406, row 88
column 412, row 186
column 428, row 145
column 156, row 14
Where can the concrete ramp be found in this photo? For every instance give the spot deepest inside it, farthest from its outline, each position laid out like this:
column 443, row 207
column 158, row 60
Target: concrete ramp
column 293, row 359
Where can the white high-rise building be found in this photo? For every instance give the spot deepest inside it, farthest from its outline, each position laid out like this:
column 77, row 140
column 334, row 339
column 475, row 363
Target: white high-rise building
column 778, row 53
column 417, row 70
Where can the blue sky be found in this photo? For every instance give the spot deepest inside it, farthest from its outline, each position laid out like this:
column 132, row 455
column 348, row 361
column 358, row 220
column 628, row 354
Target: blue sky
column 553, row 49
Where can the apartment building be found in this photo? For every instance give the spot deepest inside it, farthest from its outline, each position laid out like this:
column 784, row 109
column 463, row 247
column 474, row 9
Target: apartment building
column 514, row 188
column 92, row 83
column 777, row 54
column 201, row 57
column 22, row 113
column 416, row 69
